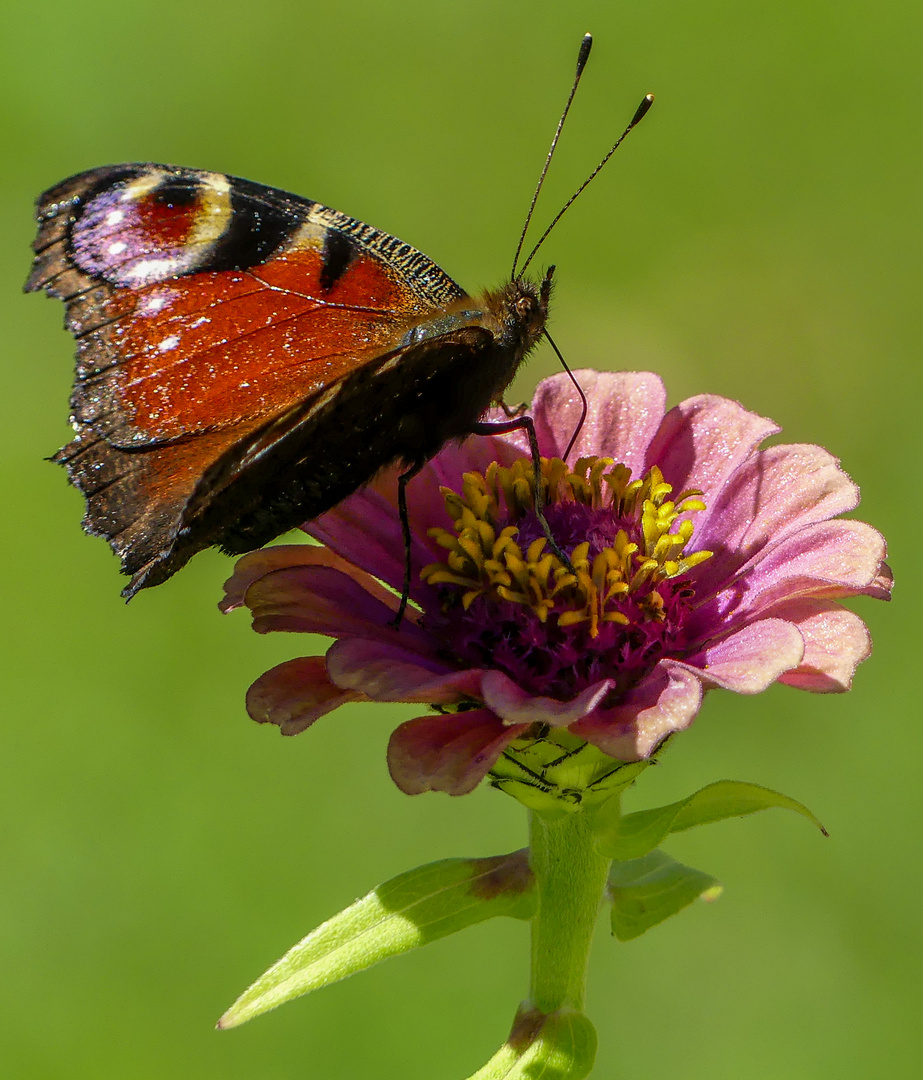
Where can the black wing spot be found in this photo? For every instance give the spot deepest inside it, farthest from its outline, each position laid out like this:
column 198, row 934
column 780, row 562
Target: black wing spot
column 258, row 228
column 177, row 192
column 339, row 252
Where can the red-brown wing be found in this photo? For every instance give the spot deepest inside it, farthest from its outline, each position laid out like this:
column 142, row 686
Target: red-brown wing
column 201, row 302
column 221, row 349
column 205, row 306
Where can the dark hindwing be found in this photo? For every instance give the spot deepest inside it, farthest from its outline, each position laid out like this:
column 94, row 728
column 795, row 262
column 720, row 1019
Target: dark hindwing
column 390, row 410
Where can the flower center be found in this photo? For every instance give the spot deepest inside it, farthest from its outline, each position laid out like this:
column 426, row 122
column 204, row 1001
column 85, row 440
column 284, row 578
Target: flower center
column 507, row 602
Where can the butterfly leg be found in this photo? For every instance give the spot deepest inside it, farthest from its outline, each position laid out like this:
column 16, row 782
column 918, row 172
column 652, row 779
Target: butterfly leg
column 402, row 481
column 524, row 423
column 513, row 411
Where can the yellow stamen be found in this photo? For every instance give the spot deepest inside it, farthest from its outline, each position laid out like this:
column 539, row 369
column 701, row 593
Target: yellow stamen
column 483, row 562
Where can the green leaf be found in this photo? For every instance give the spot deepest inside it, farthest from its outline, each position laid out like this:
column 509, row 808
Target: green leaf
column 634, row 835
column 410, row 910
column 648, row 890
column 544, row 1046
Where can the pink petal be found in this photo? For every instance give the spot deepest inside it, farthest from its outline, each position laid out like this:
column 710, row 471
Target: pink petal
column 836, row 641
column 389, row 671
column 752, row 659
column 826, row 560
column 294, row 694
column 774, row 493
column 475, row 453
column 515, row 706
column 365, row 530
column 667, row 700
column 425, row 501
column 625, row 411
column 266, row 560
column 450, row 752
column 881, row 587
column 321, row 600
column 704, row 440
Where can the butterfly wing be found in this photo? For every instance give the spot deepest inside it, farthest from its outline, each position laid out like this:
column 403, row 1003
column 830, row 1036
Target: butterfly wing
column 215, row 319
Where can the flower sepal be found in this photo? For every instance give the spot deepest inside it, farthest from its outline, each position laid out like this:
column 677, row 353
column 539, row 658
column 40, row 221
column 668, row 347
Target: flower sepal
column 556, row 773
column 404, row 913
column 631, row 836
column 556, row 1046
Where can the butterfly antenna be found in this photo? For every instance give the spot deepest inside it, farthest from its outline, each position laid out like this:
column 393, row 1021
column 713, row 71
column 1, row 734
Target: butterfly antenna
column 640, row 113
column 582, row 57
column 585, row 406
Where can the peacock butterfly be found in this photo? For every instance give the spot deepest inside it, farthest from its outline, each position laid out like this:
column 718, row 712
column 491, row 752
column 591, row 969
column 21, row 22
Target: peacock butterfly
column 247, row 358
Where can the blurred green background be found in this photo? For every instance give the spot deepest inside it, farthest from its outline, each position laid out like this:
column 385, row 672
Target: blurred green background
column 759, row 236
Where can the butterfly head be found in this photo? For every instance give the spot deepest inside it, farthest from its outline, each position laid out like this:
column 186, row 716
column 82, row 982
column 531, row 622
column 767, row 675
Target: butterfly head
column 521, row 307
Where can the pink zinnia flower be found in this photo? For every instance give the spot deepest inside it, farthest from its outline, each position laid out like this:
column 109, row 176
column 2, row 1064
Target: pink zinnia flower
column 701, row 561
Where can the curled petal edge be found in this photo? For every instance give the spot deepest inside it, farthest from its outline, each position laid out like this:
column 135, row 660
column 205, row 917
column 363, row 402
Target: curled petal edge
column 666, row 701
column 516, row 706
column 450, row 752
column 836, row 641
column 751, row 659
column 295, row 694
column 316, row 599
column 386, row 671
column 258, row 564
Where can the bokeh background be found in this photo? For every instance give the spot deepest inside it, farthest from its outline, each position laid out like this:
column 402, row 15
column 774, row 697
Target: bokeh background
column 758, row 236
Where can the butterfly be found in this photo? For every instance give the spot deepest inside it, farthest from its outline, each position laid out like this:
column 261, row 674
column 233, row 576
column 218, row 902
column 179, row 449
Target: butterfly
column 247, row 358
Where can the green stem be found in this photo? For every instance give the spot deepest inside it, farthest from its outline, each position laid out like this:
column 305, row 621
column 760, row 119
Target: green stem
column 570, row 877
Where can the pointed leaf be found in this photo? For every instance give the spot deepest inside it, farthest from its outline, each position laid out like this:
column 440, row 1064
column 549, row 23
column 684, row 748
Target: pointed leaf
column 410, row 910
column 544, row 1046
column 735, row 798
column 648, row 890
column 634, row 835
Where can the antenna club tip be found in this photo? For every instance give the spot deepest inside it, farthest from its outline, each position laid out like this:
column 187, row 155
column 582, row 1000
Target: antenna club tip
column 584, row 53
column 641, row 111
